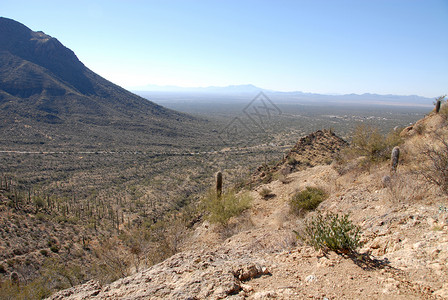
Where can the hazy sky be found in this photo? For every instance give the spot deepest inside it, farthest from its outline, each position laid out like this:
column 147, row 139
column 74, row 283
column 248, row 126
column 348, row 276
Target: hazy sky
column 376, row 46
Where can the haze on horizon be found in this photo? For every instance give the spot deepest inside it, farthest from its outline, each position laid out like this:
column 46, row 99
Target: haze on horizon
column 330, row 47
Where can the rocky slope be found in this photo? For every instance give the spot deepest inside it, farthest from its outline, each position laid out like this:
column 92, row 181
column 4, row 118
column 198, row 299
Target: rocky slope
column 317, row 148
column 405, row 234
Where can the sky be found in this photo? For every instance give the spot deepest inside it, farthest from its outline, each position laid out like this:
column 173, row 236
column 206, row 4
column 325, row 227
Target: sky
column 330, row 47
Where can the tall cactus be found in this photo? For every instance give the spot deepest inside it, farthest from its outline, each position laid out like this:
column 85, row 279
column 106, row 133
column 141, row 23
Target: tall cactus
column 219, row 184
column 15, row 278
column 438, row 104
column 394, row 159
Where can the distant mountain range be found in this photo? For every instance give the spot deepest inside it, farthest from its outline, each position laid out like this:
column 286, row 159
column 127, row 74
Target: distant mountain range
column 47, row 96
column 250, row 90
column 246, row 88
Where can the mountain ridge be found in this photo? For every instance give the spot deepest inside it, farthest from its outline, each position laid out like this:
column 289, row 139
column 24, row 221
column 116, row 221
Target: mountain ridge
column 251, row 90
column 43, row 83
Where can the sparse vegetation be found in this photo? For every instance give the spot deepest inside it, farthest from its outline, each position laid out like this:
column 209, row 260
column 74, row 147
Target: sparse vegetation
column 368, row 147
column 265, row 193
column 229, row 205
column 331, row 232
column 436, row 171
column 420, row 128
column 102, row 194
column 369, row 142
column 307, row 200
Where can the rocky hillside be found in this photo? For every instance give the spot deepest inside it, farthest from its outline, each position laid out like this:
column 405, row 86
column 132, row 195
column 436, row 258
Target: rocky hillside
column 404, row 222
column 30, row 240
column 317, row 148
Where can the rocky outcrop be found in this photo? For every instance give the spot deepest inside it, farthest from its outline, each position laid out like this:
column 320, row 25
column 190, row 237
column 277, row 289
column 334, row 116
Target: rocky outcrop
column 186, row 275
column 317, row 148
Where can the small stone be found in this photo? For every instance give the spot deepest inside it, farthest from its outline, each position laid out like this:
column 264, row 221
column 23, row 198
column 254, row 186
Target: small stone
column 264, row 295
column 310, row 278
column 247, row 288
column 418, row 245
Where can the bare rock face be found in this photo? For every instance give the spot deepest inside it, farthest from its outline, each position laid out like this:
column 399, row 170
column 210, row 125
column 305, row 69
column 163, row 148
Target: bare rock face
column 186, row 275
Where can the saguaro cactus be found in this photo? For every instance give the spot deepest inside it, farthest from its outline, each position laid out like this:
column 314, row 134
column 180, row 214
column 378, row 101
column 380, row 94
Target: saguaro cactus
column 394, row 159
column 438, row 104
column 219, row 184
column 15, row 278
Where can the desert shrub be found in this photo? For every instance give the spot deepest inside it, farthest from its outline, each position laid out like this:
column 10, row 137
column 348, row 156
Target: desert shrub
column 283, row 178
column 331, row 232
column 40, row 216
column 436, row 172
column 265, row 193
column 37, row 289
column 54, row 245
column 420, row 128
column 54, row 248
column 367, row 141
column 39, row 203
column 404, row 187
column 221, row 209
column 444, row 110
column 62, row 274
column 267, row 178
column 368, row 146
column 292, row 161
column 112, row 260
column 307, row 200
column 55, row 274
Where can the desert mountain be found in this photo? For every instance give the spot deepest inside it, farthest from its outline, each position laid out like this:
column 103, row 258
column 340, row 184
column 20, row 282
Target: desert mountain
column 43, row 84
column 404, row 223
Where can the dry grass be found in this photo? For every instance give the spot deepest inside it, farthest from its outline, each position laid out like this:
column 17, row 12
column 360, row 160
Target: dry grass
column 221, row 209
column 406, row 187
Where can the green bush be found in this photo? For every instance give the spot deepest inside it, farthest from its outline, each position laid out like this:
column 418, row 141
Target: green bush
column 331, row 232
column 368, row 146
column 307, row 200
column 40, row 216
column 55, row 248
column 292, row 161
column 265, row 193
column 369, row 142
column 221, row 209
